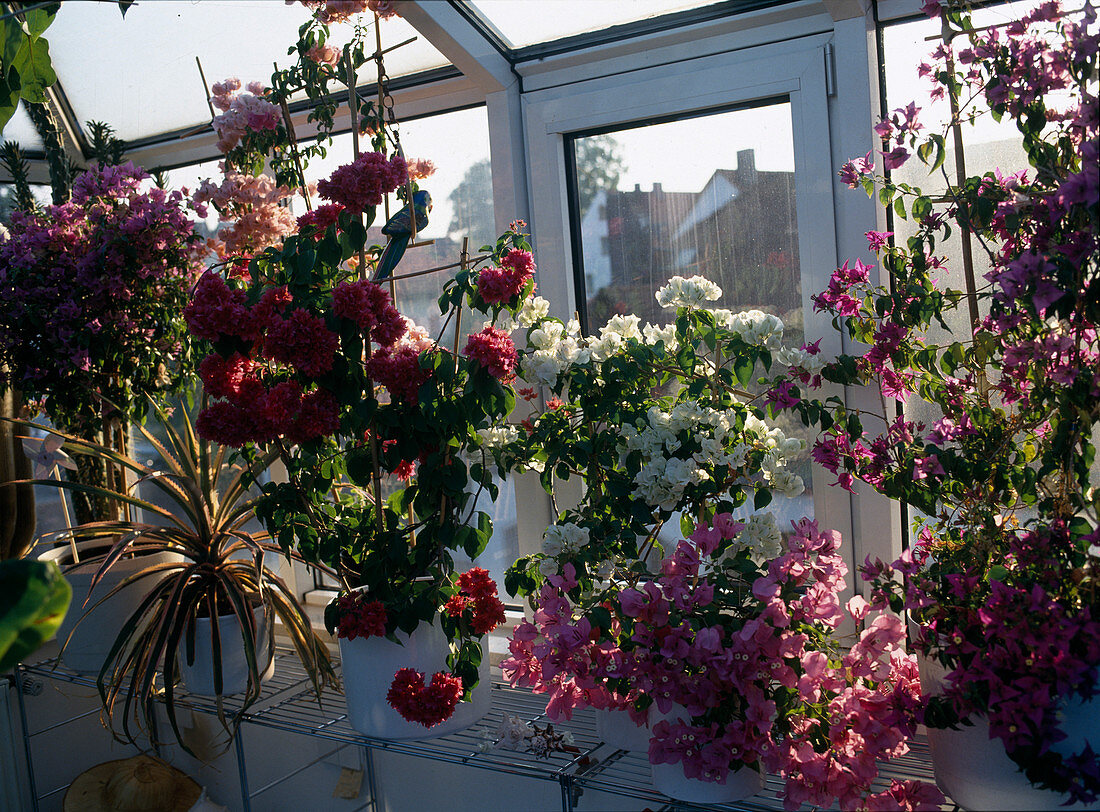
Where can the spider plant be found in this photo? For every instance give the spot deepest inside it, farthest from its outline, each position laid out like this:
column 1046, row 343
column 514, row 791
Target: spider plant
column 221, row 570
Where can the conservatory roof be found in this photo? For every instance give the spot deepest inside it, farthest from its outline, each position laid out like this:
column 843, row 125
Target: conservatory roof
column 141, row 73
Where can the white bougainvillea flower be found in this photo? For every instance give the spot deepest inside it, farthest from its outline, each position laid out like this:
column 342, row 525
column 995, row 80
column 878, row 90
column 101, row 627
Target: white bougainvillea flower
column 46, row 454
column 688, row 292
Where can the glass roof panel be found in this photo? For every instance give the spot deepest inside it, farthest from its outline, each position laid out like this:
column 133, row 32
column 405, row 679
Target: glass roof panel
column 20, row 130
column 139, row 74
column 563, row 18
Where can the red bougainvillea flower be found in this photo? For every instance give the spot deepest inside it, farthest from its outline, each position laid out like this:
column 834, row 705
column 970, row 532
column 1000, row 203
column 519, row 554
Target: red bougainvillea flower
column 362, row 183
column 360, row 618
column 478, row 596
column 427, row 705
column 494, row 350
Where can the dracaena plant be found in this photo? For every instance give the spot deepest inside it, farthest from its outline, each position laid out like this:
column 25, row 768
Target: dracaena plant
column 1003, row 575
column 221, row 566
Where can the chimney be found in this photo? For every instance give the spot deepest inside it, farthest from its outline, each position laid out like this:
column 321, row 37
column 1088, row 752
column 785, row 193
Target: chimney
column 746, row 162
column 637, row 187
column 656, row 188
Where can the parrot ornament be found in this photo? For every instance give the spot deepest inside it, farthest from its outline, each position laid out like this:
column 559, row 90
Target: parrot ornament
column 399, row 231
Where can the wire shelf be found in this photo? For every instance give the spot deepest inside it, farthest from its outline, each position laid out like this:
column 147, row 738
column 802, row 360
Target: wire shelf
column 288, row 703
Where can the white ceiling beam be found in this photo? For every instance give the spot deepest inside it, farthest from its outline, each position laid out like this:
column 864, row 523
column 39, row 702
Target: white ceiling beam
column 460, row 42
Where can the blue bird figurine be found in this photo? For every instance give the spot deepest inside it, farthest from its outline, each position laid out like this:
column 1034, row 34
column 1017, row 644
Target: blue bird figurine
column 399, row 230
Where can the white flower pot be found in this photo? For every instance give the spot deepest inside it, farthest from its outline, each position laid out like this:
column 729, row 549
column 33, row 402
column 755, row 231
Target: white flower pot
column 369, row 665
column 198, row 678
column 975, row 771
column 616, row 728
column 87, row 643
column 670, row 779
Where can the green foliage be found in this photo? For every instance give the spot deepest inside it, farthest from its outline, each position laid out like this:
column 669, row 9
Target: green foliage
column 25, row 67
column 220, row 569
column 33, row 600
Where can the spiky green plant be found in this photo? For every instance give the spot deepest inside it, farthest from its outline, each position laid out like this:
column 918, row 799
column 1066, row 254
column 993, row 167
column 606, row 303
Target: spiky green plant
column 221, row 573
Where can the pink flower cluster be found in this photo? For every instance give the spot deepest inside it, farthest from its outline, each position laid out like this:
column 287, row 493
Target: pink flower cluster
column 338, row 11
column 370, row 307
column 320, row 219
column 427, row 705
column 94, row 288
column 250, row 207
column 724, row 684
column 257, row 407
column 398, row 370
column 241, row 112
column 494, row 351
column 363, row 182
column 1019, row 646
column 508, row 282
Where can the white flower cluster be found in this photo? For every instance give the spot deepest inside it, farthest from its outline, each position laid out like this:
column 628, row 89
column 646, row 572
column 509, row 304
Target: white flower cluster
column 663, row 478
column 761, row 536
column 557, row 347
column 800, row 359
column 496, row 437
column 564, row 538
column 667, row 334
column 534, row 310
column 688, row 292
column 753, row 326
column 778, row 449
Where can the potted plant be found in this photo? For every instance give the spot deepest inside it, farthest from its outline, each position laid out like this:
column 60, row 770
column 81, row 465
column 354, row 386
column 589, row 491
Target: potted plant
column 214, row 598
column 314, row 362
column 1002, row 575
column 91, row 310
column 661, row 425
column 702, row 641
column 738, row 662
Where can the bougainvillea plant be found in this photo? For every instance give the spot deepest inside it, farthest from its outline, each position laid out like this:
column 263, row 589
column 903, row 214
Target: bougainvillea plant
column 1003, row 574
column 741, row 662
column 91, row 305
column 658, row 422
column 376, row 421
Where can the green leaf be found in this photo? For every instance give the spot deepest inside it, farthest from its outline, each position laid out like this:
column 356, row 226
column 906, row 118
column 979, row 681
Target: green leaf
column 39, row 19
column 13, row 37
column 742, row 368
column 762, row 499
column 33, row 600
column 35, row 69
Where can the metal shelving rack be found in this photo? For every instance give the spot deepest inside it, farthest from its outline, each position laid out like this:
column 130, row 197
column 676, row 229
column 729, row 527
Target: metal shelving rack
column 289, row 704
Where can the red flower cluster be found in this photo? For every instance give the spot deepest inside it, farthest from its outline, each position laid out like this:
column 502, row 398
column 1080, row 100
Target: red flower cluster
column 256, row 415
column 302, row 341
column 360, row 618
column 398, row 369
column 222, row 377
column 215, row 310
column 494, row 350
column 370, row 307
column 506, row 283
column 362, row 183
column 427, row 705
column 320, row 219
column 477, row 592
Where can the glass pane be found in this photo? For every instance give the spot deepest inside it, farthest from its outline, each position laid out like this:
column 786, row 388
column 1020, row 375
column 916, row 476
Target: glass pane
column 139, row 74
column 712, row 195
column 21, row 130
column 563, row 18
